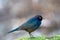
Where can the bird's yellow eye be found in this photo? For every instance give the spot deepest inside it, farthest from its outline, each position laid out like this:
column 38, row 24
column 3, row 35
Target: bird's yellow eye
column 39, row 17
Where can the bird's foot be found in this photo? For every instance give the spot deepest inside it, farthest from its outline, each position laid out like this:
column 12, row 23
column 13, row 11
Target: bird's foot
column 32, row 37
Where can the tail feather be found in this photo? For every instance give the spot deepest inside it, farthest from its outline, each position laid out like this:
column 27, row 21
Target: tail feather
column 13, row 30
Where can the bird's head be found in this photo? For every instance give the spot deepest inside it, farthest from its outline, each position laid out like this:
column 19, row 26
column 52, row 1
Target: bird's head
column 39, row 17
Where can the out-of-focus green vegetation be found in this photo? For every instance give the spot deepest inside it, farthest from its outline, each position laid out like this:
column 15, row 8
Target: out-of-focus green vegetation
column 57, row 37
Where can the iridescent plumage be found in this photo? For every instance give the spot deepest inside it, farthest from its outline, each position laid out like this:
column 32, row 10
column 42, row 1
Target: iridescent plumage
column 31, row 25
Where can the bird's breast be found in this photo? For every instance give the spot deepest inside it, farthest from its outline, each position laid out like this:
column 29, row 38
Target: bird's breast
column 30, row 30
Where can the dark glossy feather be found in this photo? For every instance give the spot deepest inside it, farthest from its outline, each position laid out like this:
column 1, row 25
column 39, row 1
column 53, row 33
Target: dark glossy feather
column 32, row 24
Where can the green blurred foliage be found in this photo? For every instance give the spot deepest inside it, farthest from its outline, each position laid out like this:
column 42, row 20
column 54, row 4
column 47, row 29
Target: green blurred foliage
column 40, row 38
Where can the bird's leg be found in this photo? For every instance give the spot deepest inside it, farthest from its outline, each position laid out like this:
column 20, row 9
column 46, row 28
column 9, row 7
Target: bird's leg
column 31, row 36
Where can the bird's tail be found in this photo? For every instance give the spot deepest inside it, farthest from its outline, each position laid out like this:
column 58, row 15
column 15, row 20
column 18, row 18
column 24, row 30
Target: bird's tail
column 13, row 30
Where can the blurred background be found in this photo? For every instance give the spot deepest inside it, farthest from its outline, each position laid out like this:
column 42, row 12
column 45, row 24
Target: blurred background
column 13, row 13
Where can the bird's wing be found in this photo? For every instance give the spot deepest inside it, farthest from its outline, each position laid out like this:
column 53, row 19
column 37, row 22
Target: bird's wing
column 28, row 25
